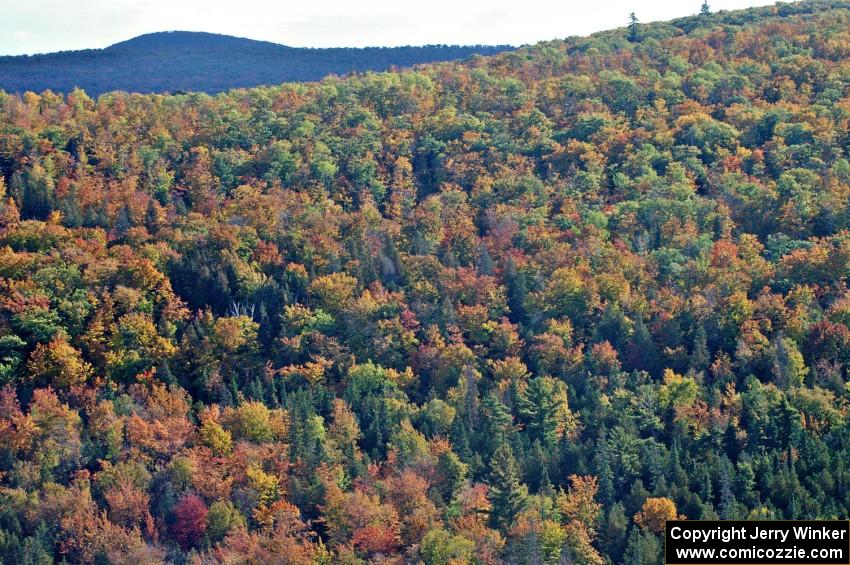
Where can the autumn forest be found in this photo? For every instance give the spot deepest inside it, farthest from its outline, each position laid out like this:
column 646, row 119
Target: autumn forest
column 521, row 308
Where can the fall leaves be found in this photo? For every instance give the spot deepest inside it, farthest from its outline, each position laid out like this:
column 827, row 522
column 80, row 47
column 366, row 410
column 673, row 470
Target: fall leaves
column 517, row 309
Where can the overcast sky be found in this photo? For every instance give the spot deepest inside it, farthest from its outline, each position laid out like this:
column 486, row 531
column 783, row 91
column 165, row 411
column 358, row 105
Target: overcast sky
column 39, row 26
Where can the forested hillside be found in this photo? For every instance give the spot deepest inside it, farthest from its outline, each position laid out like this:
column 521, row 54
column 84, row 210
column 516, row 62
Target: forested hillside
column 207, row 62
column 521, row 309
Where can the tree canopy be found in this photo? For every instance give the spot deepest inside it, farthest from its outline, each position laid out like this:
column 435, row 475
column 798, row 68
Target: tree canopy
column 522, row 308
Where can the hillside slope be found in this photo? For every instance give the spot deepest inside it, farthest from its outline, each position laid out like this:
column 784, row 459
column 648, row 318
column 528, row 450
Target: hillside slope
column 206, row 62
column 517, row 309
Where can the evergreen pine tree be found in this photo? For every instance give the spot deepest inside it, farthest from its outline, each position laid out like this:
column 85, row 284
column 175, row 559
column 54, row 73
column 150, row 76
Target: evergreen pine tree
column 641, row 353
column 604, row 472
column 265, row 334
column 538, row 408
column 615, row 531
column 507, row 494
column 642, row 549
column 727, row 497
column 256, row 390
column 37, row 549
column 485, row 262
column 657, row 481
column 496, row 424
column 536, row 468
column 633, row 28
column 517, row 287
column 163, row 372
column 676, row 471
column 789, row 367
column 632, row 555
column 700, row 356
column 707, row 493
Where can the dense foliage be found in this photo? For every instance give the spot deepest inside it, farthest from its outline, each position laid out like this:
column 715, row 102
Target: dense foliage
column 521, row 309
column 207, row 62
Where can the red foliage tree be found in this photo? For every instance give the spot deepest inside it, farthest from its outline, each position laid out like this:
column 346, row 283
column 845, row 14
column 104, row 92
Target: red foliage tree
column 189, row 523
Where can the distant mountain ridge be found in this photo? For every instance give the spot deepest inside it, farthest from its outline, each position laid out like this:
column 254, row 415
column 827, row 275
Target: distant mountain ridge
column 178, row 39
column 207, row 62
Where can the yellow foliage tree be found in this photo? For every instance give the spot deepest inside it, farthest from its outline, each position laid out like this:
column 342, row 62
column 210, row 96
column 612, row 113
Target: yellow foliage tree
column 654, row 514
column 58, row 364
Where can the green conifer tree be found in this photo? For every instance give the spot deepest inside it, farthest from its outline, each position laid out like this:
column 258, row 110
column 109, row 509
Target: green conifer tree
column 633, row 28
column 507, row 494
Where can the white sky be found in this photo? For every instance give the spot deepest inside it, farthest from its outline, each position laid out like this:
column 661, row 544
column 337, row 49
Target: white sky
column 39, row 26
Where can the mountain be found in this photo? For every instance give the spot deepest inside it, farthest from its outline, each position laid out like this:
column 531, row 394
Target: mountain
column 517, row 309
column 207, row 62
